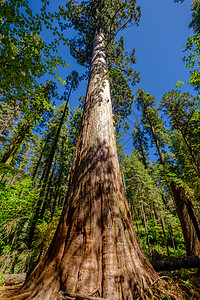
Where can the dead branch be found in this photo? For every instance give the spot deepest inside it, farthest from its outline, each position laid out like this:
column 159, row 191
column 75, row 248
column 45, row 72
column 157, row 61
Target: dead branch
column 175, row 263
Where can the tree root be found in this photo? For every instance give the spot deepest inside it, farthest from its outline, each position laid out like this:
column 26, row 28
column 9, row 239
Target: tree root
column 159, row 278
column 65, row 295
column 13, row 279
column 158, row 290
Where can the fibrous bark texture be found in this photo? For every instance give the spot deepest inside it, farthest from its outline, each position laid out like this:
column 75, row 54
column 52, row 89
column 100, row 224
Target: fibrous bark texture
column 95, row 246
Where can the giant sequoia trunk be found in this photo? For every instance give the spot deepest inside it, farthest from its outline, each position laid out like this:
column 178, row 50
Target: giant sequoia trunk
column 95, row 246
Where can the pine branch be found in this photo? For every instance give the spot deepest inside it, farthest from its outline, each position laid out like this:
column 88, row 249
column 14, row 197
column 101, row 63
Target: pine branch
column 115, row 33
column 120, row 8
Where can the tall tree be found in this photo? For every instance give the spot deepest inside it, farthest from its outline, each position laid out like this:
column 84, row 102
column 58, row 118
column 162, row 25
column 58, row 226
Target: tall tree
column 95, row 249
column 181, row 109
column 153, row 124
column 192, row 47
column 72, row 83
column 183, row 164
column 140, row 143
column 8, row 116
column 38, row 108
column 185, row 210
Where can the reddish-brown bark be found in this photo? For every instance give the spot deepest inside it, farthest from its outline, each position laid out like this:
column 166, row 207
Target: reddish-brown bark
column 188, row 219
column 95, row 246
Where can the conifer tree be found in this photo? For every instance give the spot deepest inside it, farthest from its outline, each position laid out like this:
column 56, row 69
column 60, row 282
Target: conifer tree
column 95, row 249
column 140, row 143
column 145, row 196
column 181, row 109
column 192, row 47
column 38, row 109
column 184, row 208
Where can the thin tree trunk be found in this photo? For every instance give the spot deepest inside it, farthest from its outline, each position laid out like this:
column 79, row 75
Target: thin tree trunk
column 40, row 158
column 38, row 206
column 11, row 151
column 47, row 190
column 156, row 141
column 138, row 231
column 146, row 228
column 164, row 235
column 141, row 146
column 195, row 161
column 6, row 125
column 172, row 235
column 21, row 165
column 95, row 246
column 46, row 172
column 14, row 113
column 57, row 189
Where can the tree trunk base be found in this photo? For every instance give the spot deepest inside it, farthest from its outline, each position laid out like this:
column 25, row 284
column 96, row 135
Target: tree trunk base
column 159, row 289
column 13, row 292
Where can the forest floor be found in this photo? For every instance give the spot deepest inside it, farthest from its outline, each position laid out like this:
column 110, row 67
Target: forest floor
column 186, row 280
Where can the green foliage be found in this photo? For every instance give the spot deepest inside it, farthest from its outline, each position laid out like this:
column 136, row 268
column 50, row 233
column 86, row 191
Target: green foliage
column 120, row 64
column 26, row 105
column 181, row 110
column 75, row 124
column 143, row 188
column 91, row 16
column 193, row 46
column 195, row 23
column 109, row 17
column 35, row 113
column 153, row 125
column 7, row 170
column 43, row 236
column 192, row 60
column 140, row 142
column 121, row 95
column 17, row 202
column 187, row 283
column 139, row 183
column 179, row 84
column 182, row 167
column 24, row 56
column 1, row 279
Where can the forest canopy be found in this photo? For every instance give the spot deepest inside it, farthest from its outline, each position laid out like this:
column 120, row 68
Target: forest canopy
column 53, row 154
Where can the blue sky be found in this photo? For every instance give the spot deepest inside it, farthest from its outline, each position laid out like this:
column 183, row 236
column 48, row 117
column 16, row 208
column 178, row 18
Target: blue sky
column 158, row 41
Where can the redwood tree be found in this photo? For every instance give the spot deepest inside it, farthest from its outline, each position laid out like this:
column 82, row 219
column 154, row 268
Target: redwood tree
column 95, row 250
